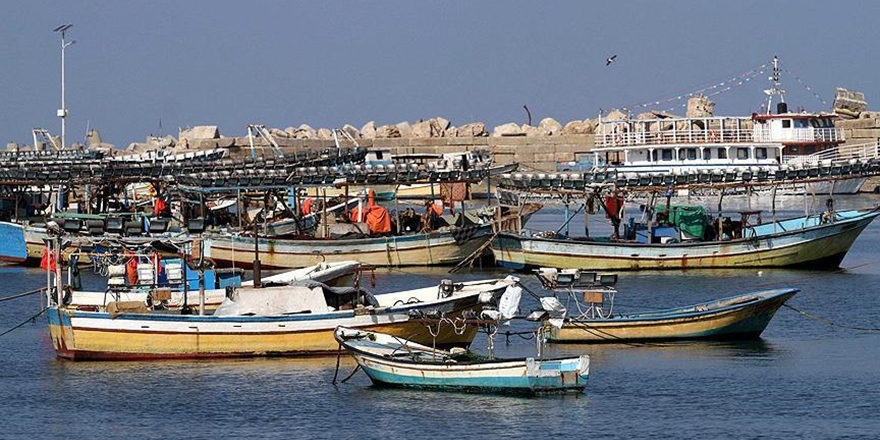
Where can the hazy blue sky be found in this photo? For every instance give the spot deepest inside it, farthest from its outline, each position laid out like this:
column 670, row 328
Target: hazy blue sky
column 284, row 63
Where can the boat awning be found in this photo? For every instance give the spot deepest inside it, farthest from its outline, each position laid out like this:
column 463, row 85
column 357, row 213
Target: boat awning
column 274, row 301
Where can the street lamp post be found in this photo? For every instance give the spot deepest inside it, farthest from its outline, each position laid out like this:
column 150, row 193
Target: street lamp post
column 62, row 112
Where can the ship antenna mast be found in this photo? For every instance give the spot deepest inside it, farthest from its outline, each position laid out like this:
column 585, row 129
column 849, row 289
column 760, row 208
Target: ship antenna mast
column 776, row 88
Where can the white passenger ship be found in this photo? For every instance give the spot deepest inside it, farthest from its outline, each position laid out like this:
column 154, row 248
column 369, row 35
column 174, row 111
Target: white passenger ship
column 760, row 142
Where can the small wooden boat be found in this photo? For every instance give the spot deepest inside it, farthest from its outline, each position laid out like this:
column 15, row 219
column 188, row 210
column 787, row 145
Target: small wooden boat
column 737, row 317
column 270, row 321
column 393, row 361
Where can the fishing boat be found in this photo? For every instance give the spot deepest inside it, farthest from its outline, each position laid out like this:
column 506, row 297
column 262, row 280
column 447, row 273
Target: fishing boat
column 444, row 247
column 370, row 233
column 271, row 321
column 737, row 317
column 172, row 293
column 397, row 362
column 460, row 236
column 815, row 241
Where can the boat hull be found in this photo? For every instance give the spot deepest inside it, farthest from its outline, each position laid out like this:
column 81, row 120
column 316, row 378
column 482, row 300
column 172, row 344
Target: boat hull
column 402, row 362
column 425, row 249
column 13, row 247
column 796, row 243
column 527, row 377
column 745, row 317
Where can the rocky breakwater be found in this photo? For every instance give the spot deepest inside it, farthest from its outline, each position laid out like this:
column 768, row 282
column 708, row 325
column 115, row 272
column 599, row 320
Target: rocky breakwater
column 538, row 147
column 861, row 127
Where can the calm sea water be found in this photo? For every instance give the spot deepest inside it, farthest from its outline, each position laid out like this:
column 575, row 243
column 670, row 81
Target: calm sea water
column 803, row 379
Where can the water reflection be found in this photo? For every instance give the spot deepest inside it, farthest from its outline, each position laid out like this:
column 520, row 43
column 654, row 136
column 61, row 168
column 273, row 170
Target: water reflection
column 752, row 349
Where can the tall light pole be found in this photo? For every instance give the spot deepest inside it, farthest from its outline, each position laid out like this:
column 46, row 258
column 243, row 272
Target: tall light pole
column 62, row 112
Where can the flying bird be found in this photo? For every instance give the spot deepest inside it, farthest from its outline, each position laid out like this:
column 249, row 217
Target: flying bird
column 610, row 60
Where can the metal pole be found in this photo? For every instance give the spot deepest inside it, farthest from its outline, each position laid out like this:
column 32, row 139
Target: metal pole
column 568, row 216
column 201, row 276
column 773, row 206
column 184, row 257
column 58, row 286
column 257, row 268
column 62, row 112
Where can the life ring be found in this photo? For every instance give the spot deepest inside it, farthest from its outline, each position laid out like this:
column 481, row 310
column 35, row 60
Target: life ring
column 713, row 137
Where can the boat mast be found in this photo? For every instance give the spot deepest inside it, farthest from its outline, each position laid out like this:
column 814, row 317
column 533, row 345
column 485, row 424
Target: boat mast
column 775, row 88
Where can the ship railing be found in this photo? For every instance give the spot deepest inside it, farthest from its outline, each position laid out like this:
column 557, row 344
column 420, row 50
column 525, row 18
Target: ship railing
column 808, row 134
column 674, row 137
column 842, row 153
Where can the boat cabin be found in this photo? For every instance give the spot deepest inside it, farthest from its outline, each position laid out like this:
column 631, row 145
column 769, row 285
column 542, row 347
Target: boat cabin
column 800, row 133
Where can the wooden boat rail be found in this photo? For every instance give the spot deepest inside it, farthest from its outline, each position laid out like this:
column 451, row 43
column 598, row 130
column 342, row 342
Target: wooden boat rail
column 320, row 176
column 59, row 169
column 579, row 182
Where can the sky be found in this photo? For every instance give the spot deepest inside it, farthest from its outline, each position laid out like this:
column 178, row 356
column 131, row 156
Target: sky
column 141, row 68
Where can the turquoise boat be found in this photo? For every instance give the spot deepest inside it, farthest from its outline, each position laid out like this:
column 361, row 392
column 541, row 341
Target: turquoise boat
column 396, row 362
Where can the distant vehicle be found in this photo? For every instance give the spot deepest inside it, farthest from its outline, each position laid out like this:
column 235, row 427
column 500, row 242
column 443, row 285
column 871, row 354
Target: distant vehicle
column 583, row 161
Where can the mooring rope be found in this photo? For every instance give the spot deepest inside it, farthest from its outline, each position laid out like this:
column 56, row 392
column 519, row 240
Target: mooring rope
column 528, row 336
column 356, row 369
column 818, row 275
column 20, row 295
column 830, row 322
column 338, row 358
column 31, row 319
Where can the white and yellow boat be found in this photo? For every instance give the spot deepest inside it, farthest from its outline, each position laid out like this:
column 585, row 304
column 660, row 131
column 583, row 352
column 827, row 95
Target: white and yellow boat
column 279, row 321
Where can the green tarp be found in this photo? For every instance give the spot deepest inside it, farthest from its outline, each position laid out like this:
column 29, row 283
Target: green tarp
column 691, row 220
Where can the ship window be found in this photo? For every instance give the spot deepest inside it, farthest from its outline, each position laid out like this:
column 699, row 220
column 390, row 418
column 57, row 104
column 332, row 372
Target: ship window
column 722, row 153
column 802, row 123
column 760, row 153
column 707, row 153
column 815, row 123
column 809, row 149
column 687, row 154
column 742, row 153
column 786, row 123
column 666, row 154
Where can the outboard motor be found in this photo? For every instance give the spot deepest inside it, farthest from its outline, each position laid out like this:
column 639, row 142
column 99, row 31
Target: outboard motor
column 445, row 290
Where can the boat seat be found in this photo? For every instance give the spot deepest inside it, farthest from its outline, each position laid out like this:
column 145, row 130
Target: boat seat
column 595, row 301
